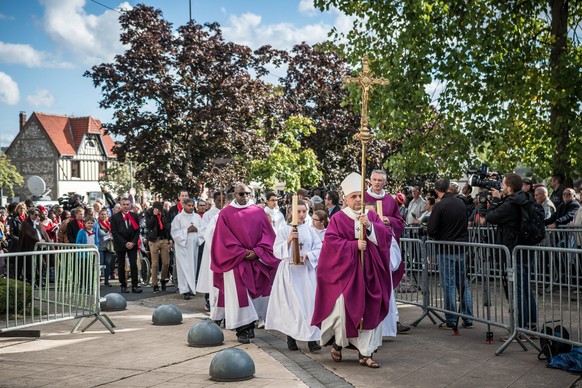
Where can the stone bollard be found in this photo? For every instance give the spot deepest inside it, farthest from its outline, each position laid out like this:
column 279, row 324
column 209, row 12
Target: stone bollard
column 232, row 364
column 113, row 302
column 205, row 333
column 167, row 314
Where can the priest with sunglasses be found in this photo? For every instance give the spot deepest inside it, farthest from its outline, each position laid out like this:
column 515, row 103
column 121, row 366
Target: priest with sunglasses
column 242, row 263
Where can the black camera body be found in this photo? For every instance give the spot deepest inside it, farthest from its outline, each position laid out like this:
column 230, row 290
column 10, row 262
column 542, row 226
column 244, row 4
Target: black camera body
column 70, row 201
column 483, row 179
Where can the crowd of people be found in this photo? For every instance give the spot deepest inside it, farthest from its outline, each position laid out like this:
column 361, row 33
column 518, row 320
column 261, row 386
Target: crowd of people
column 335, row 289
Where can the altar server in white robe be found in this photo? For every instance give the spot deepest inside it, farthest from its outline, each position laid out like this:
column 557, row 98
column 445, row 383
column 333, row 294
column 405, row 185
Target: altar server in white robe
column 293, row 294
column 272, row 210
column 185, row 232
column 204, row 283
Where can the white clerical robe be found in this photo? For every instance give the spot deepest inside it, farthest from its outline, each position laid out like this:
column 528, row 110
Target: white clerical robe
column 186, row 249
column 277, row 218
column 390, row 323
column 204, row 283
column 293, row 294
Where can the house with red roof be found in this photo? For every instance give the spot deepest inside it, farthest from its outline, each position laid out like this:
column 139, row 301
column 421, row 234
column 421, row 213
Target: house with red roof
column 69, row 153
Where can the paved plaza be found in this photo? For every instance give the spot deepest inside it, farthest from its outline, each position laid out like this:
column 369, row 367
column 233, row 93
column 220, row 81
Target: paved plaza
column 140, row 354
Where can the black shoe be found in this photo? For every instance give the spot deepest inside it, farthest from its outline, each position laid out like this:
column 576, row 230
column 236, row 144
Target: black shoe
column 218, row 322
column 207, row 304
column 251, row 332
column 292, row 344
column 164, row 285
column 136, row 290
column 108, row 285
column 124, row 290
column 156, row 289
column 243, row 338
column 187, row 296
column 313, row 346
column 400, row 328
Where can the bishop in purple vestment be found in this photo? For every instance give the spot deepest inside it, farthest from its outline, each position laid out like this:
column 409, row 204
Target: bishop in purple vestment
column 348, row 296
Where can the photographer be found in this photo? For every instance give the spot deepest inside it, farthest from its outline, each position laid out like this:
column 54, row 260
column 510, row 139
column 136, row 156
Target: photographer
column 505, row 212
column 448, row 222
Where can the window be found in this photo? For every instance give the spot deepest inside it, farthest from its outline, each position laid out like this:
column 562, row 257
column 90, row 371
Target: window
column 102, row 168
column 75, row 169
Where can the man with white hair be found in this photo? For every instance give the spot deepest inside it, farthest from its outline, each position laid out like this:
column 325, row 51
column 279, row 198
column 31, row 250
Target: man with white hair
column 353, row 297
column 542, row 198
column 393, row 220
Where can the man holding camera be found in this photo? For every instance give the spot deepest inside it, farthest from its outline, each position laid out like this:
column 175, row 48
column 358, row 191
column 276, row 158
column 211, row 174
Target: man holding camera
column 505, row 212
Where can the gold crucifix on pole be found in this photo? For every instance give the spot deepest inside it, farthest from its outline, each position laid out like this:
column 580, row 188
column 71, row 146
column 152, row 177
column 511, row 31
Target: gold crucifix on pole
column 365, row 81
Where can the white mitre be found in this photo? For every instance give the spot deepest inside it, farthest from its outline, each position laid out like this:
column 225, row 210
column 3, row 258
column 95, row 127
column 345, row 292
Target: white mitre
column 353, row 182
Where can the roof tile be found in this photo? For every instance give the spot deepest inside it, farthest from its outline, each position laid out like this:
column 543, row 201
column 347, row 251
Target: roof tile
column 66, row 132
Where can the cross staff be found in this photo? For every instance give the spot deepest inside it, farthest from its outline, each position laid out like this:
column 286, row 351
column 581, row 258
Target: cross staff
column 365, row 81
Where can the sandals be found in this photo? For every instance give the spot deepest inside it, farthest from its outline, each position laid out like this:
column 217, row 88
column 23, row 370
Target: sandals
column 336, row 353
column 367, row 361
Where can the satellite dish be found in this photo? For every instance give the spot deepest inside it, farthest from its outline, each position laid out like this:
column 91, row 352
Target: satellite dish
column 36, row 185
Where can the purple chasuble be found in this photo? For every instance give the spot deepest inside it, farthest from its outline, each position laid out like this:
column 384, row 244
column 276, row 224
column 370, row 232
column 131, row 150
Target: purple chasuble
column 339, row 271
column 238, row 230
column 390, row 210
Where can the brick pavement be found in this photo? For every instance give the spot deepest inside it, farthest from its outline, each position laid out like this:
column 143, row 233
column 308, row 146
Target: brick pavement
column 143, row 355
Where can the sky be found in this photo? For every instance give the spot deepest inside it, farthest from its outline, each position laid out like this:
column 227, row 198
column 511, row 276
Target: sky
column 47, row 45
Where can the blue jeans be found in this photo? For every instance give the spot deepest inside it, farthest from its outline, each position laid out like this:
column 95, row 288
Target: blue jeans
column 453, row 277
column 526, row 300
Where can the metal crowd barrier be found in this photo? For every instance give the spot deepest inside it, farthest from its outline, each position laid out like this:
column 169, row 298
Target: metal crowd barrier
column 474, row 274
column 482, row 234
column 411, row 287
column 536, row 287
column 547, row 288
column 55, row 285
column 563, row 238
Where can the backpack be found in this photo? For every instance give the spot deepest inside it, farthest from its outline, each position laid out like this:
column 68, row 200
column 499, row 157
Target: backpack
column 532, row 230
column 550, row 347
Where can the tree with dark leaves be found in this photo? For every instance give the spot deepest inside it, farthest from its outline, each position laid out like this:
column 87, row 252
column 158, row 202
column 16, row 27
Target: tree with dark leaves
column 182, row 100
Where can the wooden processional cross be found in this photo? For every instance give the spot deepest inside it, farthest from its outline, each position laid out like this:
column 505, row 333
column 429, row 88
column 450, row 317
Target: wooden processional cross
column 365, row 81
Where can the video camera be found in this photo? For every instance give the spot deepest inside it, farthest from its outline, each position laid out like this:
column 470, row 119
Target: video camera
column 70, row 201
column 484, row 179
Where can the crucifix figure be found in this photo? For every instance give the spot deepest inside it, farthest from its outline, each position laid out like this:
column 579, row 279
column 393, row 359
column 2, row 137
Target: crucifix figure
column 365, row 80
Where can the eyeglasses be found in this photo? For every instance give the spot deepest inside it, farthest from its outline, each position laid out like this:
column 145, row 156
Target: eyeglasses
column 244, row 194
column 315, row 219
column 567, row 194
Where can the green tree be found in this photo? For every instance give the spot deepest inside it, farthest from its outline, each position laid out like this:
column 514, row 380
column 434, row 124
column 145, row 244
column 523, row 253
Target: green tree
column 509, row 71
column 288, row 161
column 314, row 88
column 9, row 176
column 117, row 178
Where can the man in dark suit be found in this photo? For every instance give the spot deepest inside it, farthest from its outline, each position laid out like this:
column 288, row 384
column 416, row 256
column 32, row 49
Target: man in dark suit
column 332, row 202
column 32, row 231
column 125, row 232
